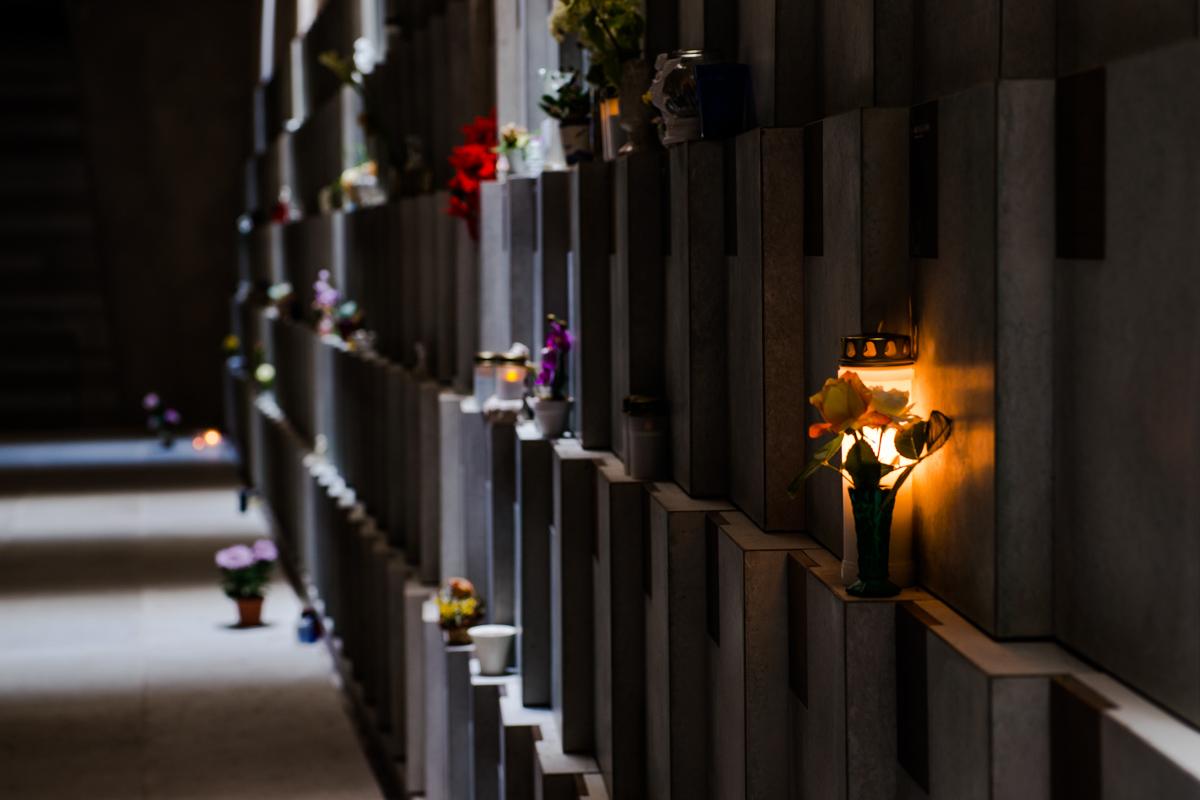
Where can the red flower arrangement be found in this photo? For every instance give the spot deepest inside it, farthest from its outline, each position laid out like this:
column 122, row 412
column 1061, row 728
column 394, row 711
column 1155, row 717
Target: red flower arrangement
column 474, row 161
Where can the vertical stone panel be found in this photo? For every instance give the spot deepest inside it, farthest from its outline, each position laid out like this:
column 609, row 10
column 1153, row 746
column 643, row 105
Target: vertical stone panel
column 696, row 308
column 1125, row 504
column 495, row 315
column 534, row 509
column 982, row 505
column 766, row 330
column 637, row 283
column 590, row 293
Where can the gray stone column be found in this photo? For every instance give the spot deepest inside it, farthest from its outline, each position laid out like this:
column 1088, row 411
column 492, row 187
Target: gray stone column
column 767, row 394
column 590, row 289
column 572, row 539
column 534, row 509
column 676, row 642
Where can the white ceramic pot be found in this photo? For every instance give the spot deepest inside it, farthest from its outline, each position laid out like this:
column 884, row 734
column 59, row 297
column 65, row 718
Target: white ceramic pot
column 550, row 416
column 492, row 646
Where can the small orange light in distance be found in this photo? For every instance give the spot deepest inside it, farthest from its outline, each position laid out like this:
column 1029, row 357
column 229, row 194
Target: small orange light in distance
column 212, row 437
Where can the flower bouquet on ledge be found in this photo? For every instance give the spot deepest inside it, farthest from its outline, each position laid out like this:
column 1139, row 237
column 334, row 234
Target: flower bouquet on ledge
column 514, row 147
column 245, row 573
column 883, row 442
column 550, row 402
column 473, row 161
column 459, row 608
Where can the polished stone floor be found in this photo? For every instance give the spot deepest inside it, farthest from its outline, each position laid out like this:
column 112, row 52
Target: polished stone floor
column 120, row 676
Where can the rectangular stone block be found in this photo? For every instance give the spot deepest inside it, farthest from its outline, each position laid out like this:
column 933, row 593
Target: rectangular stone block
column 445, row 275
column 520, row 197
column 416, row 737
column 429, row 499
column 844, row 689
column 865, row 55
column 780, row 43
column 1091, row 34
column 572, row 543
column 397, row 573
column 748, row 656
column 495, row 313
column 697, row 347
column 857, row 272
column 449, row 700
column 676, row 644
column 957, row 45
column 1124, row 502
column 618, row 597
column 524, row 727
column 552, row 247
column 988, row 705
column 466, row 289
column 766, row 329
column 452, row 555
column 473, row 434
column 638, row 289
column 984, row 309
column 589, row 266
column 533, row 516
column 488, row 736
column 396, row 433
column 565, row 776
column 409, row 263
column 501, row 494
column 427, row 285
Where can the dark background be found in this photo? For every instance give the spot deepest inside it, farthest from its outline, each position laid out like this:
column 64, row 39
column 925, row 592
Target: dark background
column 124, row 130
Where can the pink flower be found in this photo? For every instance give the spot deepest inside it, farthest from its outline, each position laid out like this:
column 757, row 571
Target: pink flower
column 237, row 557
column 265, row 550
column 171, row 416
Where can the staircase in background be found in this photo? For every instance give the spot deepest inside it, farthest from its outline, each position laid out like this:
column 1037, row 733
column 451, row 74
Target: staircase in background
column 56, row 358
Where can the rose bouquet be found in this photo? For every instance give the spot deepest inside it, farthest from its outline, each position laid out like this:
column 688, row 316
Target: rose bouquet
column 474, row 161
column 245, row 573
column 458, row 609
column 883, row 443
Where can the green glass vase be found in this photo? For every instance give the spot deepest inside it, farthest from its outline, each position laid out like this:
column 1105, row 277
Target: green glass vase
column 872, row 508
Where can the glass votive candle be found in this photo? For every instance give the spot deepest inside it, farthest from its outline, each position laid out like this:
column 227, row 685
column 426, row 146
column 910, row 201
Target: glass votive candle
column 485, row 375
column 511, row 372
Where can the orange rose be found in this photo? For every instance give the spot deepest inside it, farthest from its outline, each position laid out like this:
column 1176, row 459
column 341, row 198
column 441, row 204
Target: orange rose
column 843, row 402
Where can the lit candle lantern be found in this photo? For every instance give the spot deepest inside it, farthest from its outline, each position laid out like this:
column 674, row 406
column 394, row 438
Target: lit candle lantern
column 887, row 361
column 511, row 372
column 485, row 375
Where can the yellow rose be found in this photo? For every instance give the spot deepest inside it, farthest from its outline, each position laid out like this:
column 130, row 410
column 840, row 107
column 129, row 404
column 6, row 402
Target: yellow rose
column 842, row 402
column 891, row 403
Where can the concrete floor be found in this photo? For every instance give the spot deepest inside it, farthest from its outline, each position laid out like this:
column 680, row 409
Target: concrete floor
column 121, row 678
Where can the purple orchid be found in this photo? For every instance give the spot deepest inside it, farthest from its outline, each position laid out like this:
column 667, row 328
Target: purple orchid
column 325, row 297
column 265, row 550
column 239, row 556
column 151, row 401
column 553, row 373
column 171, row 417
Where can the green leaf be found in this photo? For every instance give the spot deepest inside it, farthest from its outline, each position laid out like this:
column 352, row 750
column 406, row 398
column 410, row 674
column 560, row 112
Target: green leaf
column 910, row 441
column 862, row 464
column 940, row 428
column 829, row 449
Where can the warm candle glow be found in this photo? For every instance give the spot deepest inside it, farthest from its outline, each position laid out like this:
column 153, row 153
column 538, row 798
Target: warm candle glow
column 514, row 375
column 212, row 437
column 198, row 443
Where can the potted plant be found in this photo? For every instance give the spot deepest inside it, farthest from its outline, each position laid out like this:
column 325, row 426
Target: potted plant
column 514, row 146
column 245, row 573
column 550, row 402
column 459, row 608
column 611, row 32
column 864, row 418
column 567, row 132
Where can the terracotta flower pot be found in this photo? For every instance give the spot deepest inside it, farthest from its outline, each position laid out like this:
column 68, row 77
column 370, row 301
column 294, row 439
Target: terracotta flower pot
column 249, row 612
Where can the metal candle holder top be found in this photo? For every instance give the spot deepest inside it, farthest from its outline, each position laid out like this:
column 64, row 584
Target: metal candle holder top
column 876, row 349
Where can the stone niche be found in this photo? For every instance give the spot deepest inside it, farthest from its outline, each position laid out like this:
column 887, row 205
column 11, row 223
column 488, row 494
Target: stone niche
column 984, row 240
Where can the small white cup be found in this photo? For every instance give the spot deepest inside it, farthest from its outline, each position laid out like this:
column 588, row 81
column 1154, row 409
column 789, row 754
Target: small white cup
column 492, row 645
